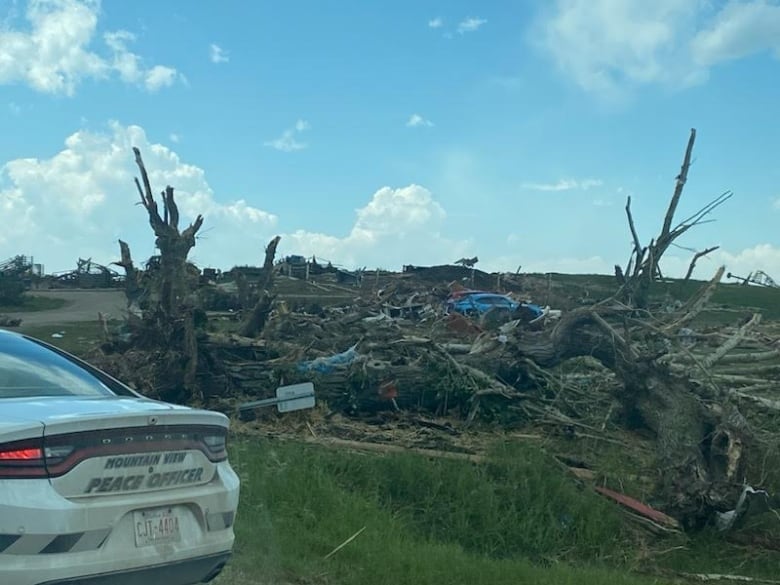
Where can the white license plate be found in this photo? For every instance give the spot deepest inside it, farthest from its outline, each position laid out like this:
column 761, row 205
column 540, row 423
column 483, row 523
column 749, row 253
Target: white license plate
column 156, row 526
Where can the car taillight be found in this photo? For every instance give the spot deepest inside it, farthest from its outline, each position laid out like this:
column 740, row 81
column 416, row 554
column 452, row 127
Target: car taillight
column 21, row 454
column 216, row 444
column 22, row 459
column 57, row 453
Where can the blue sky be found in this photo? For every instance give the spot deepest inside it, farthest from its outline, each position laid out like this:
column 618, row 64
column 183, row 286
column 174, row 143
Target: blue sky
column 381, row 134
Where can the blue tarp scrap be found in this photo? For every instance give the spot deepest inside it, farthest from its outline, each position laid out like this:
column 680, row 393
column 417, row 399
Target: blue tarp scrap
column 325, row 365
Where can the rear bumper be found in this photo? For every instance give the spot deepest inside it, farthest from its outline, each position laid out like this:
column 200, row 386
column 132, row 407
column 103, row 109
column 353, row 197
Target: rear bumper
column 47, row 539
column 199, row 570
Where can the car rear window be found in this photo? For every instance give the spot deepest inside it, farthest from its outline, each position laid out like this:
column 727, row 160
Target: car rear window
column 495, row 301
column 28, row 368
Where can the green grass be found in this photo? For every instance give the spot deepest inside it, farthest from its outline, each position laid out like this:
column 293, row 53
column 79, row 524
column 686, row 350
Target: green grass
column 516, row 504
column 77, row 338
column 634, row 475
column 517, row 519
column 711, row 553
column 727, row 294
column 734, row 296
column 33, row 304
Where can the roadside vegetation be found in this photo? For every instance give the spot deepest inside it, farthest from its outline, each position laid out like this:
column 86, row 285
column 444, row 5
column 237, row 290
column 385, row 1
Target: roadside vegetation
column 519, row 518
column 28, row 303
column 422, row 521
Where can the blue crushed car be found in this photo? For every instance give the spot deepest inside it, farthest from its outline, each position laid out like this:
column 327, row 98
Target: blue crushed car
column 479, row 303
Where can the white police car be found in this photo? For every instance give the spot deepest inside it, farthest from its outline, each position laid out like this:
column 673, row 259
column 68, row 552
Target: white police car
column 99, row 485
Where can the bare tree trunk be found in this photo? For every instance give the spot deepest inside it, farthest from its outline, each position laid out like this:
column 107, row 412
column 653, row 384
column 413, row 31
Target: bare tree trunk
column 255, row 322
column 174, row 245
column 133, row 290
column 663, row 240
column 173, row 317
column 243, row 290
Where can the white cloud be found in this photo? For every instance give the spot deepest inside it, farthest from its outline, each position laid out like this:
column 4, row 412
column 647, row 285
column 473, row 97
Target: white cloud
column 398, row 226
column 54, row 55
column 740, row 29
column 80, row 200
column 564, row 185
column 130, row 66
column 436, row 23
column 287, row 142
column 175, row 138
column 470, row 25
column 77, row 202
column 217, row 54
column 416, row 120
column 764, row 257
column 160, row 76
column 608, row 46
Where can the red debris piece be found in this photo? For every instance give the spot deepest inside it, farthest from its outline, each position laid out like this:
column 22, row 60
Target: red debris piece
column 640, row 508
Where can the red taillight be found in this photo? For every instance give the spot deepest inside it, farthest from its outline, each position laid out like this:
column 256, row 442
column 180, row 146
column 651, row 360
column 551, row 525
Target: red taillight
column 22, row 459
column 21, row 454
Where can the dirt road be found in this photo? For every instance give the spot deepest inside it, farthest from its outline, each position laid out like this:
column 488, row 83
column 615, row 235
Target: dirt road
column 81, row 305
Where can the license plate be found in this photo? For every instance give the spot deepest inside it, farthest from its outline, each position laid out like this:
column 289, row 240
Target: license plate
column 156, row 526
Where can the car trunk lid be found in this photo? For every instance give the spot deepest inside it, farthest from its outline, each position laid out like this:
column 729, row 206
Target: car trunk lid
column 98, row 447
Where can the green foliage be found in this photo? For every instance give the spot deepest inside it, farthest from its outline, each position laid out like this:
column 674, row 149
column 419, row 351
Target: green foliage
column 28, row 303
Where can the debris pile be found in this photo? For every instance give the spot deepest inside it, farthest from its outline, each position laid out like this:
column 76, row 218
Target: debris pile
column 400, row 351
column 461, row 349
column 87, row 274
column 405, row 350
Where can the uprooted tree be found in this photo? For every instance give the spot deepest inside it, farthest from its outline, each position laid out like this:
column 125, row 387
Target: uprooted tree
column 164, row 295
column 702, row 438
column 166, row 349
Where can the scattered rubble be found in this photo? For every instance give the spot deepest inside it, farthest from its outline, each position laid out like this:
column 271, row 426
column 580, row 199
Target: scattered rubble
column 87, row 274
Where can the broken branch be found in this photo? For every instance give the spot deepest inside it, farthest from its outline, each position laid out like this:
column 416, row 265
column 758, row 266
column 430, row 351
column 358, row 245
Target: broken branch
column 695, row 258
